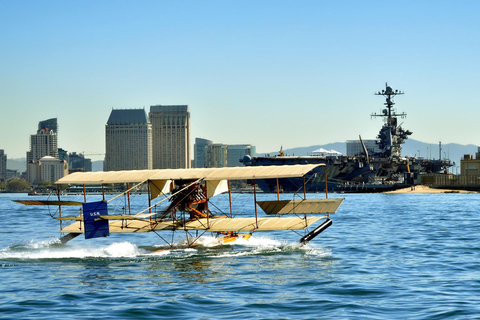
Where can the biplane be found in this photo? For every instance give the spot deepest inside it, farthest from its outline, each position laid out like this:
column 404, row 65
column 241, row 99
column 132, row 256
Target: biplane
column 188, row 192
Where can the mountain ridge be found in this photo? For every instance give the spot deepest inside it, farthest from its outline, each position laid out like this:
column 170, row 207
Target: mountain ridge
column 411, row 148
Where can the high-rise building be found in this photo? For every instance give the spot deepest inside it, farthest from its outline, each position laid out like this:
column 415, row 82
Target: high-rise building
column 42, row 144
column 170, row 136
column 199, row 152
column 236, row 152
column 3, row 165
column 128, row 140
column 50, row 124
column 216, row 155
column 62, row 154
column 78, row 162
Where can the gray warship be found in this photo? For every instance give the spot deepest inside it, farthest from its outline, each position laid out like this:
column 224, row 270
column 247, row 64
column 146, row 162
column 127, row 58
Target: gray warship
column 372, row 170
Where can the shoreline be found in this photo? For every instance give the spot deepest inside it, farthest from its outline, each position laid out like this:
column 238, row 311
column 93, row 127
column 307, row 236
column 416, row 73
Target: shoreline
column 427, row 189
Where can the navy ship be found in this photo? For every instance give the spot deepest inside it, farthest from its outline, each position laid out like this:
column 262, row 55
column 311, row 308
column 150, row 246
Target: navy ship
column 376, row 169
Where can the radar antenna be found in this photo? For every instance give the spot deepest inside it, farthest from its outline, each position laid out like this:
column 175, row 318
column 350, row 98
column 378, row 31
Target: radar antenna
column 389, row 113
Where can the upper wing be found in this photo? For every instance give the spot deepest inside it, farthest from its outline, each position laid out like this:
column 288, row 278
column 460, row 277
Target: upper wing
column 228, row 173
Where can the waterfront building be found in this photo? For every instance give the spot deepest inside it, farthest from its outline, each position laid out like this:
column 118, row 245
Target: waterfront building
column 52, row 169
column 128, row 140
column 78, row 162
column 62, row 154
column 470, row 166
column 199, row 152
column 170, row 136
column 33, row 172
column 43, row 143
column 354, row 147
column 3, row 165
column 46, row 169
column 216, row 155
column 12, row 173
column 236, row 152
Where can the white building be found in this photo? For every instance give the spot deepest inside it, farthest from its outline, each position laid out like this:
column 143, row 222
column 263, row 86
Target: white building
column 46, row 169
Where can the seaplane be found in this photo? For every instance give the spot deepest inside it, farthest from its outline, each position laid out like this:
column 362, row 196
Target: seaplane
column 188, row 192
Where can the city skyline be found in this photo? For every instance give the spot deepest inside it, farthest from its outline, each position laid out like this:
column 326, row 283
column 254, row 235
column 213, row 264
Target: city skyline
column 269, row 73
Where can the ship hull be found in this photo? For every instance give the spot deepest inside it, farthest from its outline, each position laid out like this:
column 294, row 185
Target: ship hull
column 349, row 174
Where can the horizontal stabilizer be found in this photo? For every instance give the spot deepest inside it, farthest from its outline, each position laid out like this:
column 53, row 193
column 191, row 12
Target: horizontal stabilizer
column 48, row 203
column 322, row 206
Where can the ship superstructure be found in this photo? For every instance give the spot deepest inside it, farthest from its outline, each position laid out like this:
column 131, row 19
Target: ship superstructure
column 391, row 135
column 369, row 171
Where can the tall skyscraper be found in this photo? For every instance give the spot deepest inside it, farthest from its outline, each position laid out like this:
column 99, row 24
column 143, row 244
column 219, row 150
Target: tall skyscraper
column 128, row 140
column 199, row 152
column 3, row 165
column 170, row 136
column 42, row 144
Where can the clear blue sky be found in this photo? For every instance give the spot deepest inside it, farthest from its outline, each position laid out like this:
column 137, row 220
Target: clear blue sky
column 268, row 73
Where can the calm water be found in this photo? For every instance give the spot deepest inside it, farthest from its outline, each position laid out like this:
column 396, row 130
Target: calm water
column 396, row 256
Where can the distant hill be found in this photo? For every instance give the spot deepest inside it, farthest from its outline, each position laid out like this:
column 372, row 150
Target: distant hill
column 97, row 165
column 307, row 151
column 19, row 164
column 452, row 151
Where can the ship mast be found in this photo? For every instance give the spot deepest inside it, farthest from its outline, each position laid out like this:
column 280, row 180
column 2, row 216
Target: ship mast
column 391, row 135
column 388, row 113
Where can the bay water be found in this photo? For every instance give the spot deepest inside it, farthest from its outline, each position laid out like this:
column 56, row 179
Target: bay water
column 386, row 256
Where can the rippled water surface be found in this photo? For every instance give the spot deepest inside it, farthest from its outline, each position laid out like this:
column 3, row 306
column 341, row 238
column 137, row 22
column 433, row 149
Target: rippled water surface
column 386, row 256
